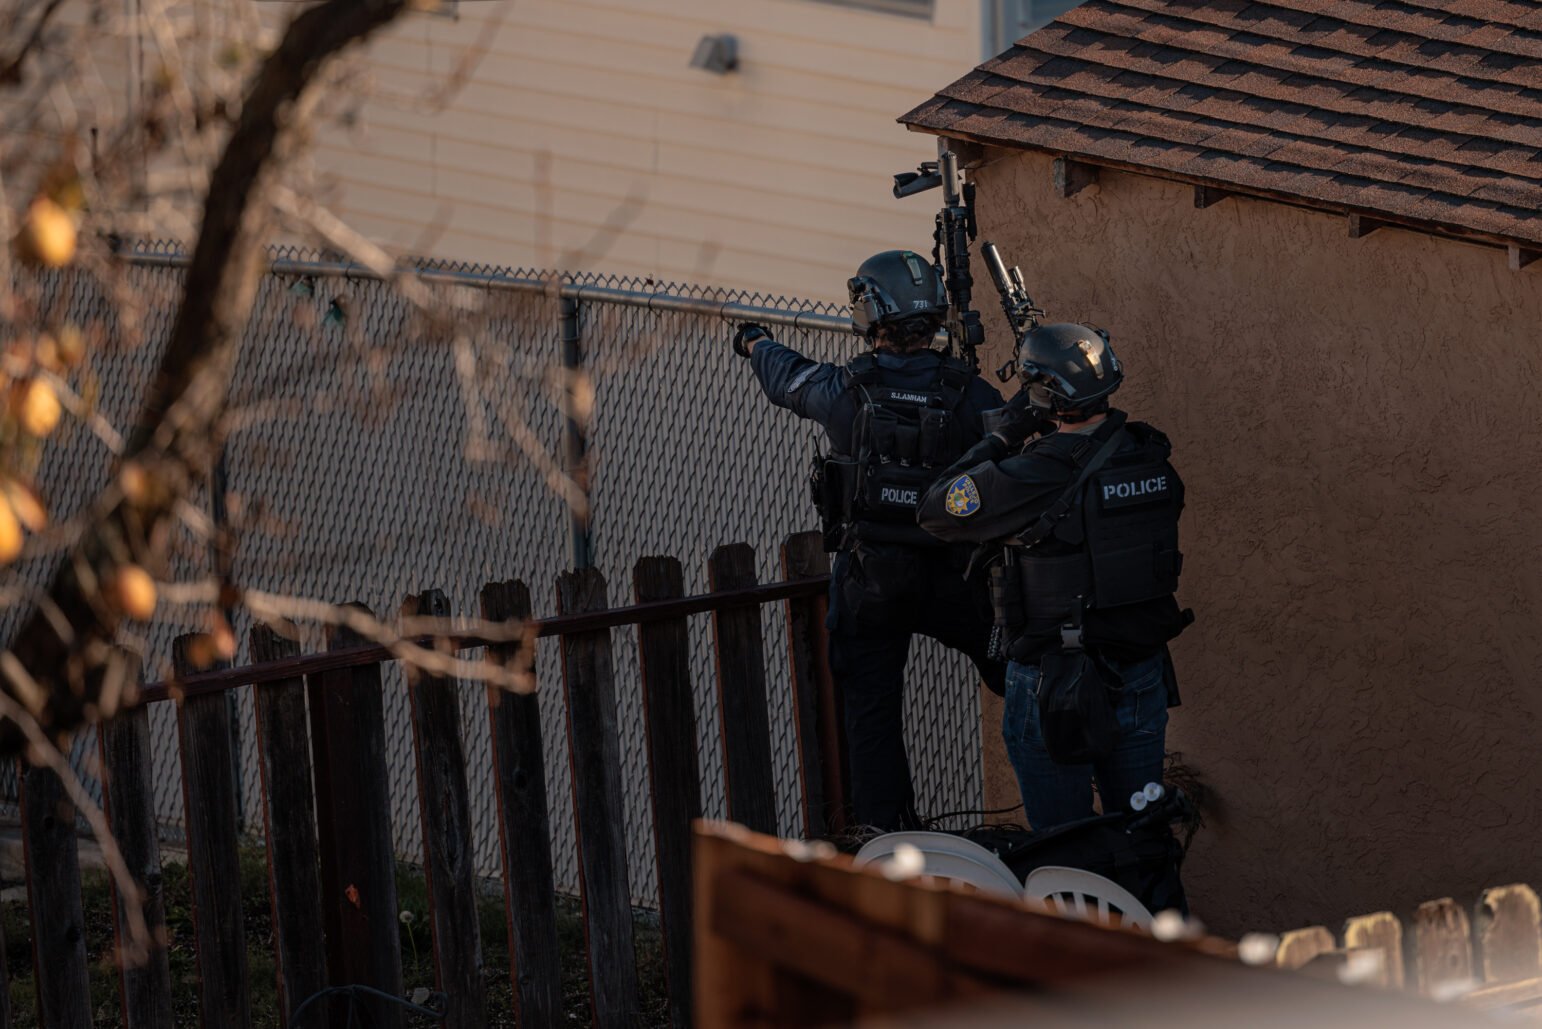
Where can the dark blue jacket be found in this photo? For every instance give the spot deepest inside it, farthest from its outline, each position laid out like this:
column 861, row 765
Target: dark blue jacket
column 818, row 390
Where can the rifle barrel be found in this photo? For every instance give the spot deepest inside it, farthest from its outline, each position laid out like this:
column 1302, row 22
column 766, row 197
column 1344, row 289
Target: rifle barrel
column 997, row 267
column 947, row 166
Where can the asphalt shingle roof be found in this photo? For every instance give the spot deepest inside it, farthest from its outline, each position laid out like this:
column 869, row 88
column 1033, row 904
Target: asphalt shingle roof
column 1426, row 112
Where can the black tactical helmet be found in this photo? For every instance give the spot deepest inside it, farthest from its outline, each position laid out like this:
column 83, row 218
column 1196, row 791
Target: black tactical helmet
column 1067, row 368
column 893, row 285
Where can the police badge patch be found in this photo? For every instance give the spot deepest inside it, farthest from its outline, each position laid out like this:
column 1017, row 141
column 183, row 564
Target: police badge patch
column 963, row 498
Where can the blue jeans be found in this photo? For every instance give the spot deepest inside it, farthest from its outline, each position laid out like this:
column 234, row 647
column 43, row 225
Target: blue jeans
column 1054, row 794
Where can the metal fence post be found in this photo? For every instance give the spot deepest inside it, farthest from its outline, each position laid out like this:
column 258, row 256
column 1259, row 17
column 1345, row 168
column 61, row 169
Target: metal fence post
column 220, row 561
column 574, row 431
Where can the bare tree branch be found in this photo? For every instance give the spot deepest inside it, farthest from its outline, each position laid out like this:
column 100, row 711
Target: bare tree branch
column 171, row 445
column 10, row 70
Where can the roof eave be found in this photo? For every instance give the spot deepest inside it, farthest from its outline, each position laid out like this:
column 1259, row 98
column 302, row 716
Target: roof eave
column 1522, row 250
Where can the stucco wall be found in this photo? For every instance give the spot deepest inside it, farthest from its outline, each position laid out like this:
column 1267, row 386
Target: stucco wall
column 1359, row 424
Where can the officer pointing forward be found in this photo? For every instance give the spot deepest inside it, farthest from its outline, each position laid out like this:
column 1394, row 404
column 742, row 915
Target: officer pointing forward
column 1086, row 520
column 894, row 418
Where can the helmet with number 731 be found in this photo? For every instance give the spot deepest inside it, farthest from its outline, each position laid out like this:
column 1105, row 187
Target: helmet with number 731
column 895, row 286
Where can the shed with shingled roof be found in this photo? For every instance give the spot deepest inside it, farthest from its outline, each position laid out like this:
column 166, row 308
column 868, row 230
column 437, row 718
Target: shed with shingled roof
column 1308, row 225
column 1423, row 115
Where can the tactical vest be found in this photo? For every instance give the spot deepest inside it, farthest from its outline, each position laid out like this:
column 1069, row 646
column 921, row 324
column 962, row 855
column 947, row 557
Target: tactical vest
column 902, row 438
column 1116, row 549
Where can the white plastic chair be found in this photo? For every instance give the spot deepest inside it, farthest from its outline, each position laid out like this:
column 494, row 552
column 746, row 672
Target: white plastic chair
column 947, row 857
column 1087, row 896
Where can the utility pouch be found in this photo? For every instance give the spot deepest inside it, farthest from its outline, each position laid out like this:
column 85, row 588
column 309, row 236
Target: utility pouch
column 1076, row 709
column 1051, row 588
column 834, row 482
column 816, row 482
column 935, row 448
column 1006, row 589
column 884, row 428
column 817, row 485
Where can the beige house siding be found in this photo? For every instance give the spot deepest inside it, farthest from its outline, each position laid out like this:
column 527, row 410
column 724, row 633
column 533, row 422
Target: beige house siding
column 582, row 138
column 1357, row 421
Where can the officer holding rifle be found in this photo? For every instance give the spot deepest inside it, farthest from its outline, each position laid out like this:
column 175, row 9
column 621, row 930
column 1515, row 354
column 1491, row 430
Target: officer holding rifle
column 1084, row 524
column 1074, row 509
column 894, row 418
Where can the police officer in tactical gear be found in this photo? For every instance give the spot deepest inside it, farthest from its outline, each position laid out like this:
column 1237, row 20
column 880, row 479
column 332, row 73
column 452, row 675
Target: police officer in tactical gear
column 894, row 418
column 1084, row 523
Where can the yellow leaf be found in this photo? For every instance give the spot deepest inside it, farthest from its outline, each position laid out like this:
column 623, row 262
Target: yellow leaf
column 47, row 235
column 200, row 651
column 46, row 352
column 70, row 343
column 35, row 406
column 132, row 591
column 222, row 637
column 28, row 506
column 10, row 534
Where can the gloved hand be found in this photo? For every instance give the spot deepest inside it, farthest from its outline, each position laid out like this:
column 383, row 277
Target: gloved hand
column 1018, row 421
column 748, row 335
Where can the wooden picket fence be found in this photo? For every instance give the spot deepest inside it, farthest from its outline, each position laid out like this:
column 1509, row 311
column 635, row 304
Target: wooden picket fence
column 1491, row 960
column 326, row 807
column 788, row 934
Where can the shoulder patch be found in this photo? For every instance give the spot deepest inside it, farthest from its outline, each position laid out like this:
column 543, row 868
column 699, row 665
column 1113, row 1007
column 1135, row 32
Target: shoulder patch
column 963, row 497
column 802, row 377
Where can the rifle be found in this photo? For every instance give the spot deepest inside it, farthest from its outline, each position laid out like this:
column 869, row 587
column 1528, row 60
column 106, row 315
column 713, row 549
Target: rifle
column 1022, row 313
column 955, row 228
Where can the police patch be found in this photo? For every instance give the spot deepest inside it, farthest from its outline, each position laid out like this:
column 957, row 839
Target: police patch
column 1142, row 486
column 963, row 498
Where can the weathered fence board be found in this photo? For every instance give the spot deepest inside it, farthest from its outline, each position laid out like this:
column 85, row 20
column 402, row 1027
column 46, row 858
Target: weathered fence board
column 1380, row 932
column 674, row 779
column 1442, row 939
column 741, row 684
column 594, row 750
column 815, row 705
column 289, row 823
column 1509, row 933
column 524, row 829
column 213, row 854
column 1300, row 946
column 1516, row 997
column 445, row 812
column 780, row 932
column 128, row 796
column 53, row 894
column 353, row 816
column 5, row 987
column 1441, row 952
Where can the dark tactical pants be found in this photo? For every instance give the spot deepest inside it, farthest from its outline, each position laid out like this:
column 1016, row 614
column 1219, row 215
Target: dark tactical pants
column 880, row 595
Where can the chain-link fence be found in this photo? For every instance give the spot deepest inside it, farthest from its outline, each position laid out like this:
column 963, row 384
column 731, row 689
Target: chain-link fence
column 376, row 453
